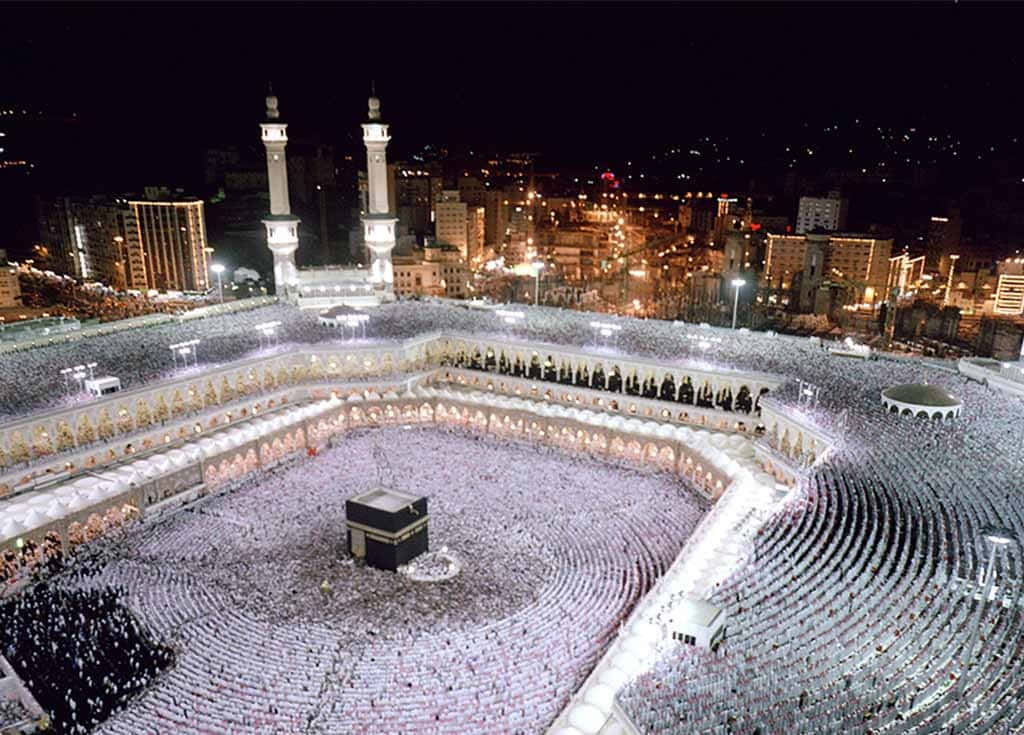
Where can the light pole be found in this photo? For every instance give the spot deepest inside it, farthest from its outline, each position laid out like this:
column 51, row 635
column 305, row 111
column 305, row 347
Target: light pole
column 537, row 268
column 120, row 263
column 219, row 269
column 737, row 284
column 997, row 537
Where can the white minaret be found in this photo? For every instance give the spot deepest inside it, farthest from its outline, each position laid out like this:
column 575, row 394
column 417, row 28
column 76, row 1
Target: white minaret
column 378, row 220
column 282, row 226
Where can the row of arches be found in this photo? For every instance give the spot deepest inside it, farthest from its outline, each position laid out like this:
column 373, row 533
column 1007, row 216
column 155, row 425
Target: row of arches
column 232, row 465
column 696, row 390
column 115, row 417
column 51, row 546
column 111, row 450
column 599, row 400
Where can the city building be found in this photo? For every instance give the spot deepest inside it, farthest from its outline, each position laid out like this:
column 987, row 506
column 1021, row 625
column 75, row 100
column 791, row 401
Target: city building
column 943, row 240
column 826, row 214
column 414, row 198
column 520, row 246
column 1010, row 288
column 451, row 221
column 698, row 213
column 168, row 246
column 796, row 266
column 157, row 241
column 575, row 252
column 495, row 219
column 436, row 270
column 476, row 232
column 1000, row 339
column 10, row 290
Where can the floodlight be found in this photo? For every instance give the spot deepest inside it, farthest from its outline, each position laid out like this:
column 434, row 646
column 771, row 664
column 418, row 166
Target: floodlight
column 998, row 535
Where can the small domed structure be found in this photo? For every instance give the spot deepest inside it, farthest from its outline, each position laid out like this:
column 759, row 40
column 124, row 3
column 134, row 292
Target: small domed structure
column 921, row 400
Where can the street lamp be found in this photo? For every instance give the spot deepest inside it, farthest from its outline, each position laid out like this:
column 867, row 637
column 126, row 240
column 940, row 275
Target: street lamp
column 537, row 268
column 218, row 269
column 737, row 284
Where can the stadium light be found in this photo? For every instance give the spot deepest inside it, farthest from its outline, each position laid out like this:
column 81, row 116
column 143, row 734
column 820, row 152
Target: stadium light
column 185, row 349
column 605, row 330
column 267, row 330
column 66, row 374
column 512, row 318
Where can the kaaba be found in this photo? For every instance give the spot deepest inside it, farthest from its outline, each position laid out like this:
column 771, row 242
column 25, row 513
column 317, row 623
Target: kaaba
column 387, row 528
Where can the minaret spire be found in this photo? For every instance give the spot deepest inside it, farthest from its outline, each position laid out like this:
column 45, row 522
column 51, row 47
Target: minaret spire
column 282, row 226
column 378, row 220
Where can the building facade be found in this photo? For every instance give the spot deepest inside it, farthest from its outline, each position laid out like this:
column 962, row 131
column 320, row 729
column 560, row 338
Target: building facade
column 10, row 289
column 451, row 221
column 172, row 251
column 434, row 271
column 157, row 241
column 826, row 214
column 1010, row 288
column 797, row 266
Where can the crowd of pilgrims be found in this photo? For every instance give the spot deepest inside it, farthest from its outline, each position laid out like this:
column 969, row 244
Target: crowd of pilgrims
column 949, row 476
column 12, row 713
column 236, row 584
column 80, row 652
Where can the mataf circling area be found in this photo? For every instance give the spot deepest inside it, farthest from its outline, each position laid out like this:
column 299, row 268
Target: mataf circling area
column 553, row 556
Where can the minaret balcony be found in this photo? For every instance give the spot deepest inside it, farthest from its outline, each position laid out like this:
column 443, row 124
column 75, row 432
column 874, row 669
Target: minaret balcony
column 274, row 133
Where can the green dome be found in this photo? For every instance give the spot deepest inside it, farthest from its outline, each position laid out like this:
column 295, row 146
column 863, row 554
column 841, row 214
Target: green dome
column 921, row 394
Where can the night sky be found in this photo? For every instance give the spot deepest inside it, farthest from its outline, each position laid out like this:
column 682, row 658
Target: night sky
column 580, row 83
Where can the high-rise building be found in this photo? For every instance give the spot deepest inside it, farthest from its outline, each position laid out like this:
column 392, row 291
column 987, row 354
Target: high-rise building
column 451, row 221
column 698, row 213
column 173, row 252
column 827, row 214
column 157, row 241
column 495, row 219
column 943, row 240
column 520, row 246
column 413, row 198
column 476, row 228
column 1010, row 288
